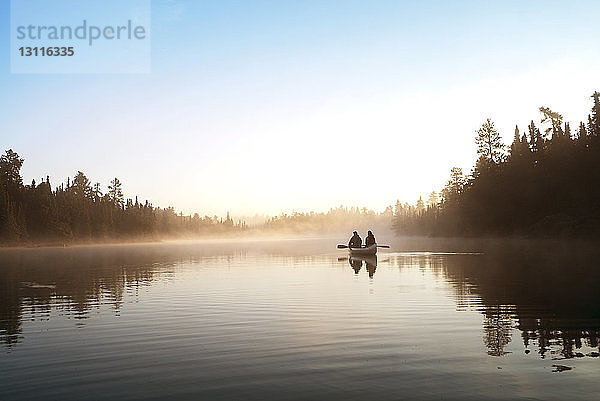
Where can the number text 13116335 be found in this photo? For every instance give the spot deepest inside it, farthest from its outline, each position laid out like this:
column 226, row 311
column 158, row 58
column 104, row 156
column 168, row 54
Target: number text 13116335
column 46, row 51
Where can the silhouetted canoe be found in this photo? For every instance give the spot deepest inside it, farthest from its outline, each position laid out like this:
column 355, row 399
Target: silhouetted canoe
column 368, row 250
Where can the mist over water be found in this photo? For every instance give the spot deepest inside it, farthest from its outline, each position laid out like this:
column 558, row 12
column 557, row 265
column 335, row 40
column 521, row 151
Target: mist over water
column 298, row 319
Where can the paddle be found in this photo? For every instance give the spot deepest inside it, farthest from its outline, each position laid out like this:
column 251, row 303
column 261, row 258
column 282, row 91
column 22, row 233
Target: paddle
column 340, row 246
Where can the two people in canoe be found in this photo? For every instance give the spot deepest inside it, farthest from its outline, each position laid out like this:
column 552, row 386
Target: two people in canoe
column 356, row 241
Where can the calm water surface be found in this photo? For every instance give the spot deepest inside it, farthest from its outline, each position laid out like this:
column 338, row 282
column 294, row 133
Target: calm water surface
column 297, row 319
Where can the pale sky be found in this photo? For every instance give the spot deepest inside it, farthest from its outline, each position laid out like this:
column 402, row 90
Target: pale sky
column 266, row 106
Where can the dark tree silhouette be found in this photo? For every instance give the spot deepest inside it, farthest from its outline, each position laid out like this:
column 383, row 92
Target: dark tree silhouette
column 79, row 211
column 115, row 193
column 488, row 141
column 547, row 186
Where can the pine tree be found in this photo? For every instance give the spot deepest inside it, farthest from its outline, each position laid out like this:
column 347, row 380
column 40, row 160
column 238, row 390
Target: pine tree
column 582, row 132
column 81, row 187
column 594, row 117
column 115, row 193
column 10, row 173
column 515, row 147
column 455, row 184
column 96, row 192
column 536, row 141
column 567, row 131
column 397, row 208
column 420, row 205
column 554, row 120
column 433, row 199
column 488, row 141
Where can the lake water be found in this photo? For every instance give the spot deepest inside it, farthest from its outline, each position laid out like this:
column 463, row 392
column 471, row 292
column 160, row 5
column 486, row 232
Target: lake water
column 296, row 319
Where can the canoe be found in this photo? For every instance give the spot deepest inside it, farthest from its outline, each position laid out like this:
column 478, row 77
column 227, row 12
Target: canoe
column 369, row 250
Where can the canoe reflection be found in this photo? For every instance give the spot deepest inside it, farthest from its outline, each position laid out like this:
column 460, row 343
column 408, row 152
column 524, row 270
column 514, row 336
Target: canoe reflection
column 356, row 263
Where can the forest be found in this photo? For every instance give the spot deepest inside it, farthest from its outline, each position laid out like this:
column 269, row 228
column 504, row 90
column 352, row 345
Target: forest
column 545, row 184
column 78, row 211
column 335, row 220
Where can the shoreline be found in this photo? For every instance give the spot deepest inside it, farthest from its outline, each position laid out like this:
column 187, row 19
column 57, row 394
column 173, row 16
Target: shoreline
column 398, row 242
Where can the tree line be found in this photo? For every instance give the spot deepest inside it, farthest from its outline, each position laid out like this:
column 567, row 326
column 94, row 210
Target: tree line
column 78, row 211
column 544, row 184
column 336, row 219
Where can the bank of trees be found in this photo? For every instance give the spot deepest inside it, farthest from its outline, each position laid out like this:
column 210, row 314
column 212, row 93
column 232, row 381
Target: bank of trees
column 336, row 219
column 78, row 211
column 546, row 183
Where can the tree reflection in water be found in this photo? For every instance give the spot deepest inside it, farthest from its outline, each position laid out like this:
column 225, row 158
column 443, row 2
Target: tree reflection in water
column 549, row 293
column 75, row 281
column 71, row 281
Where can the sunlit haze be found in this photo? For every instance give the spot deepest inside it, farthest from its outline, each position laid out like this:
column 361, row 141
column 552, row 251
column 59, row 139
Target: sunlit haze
column 266, row 107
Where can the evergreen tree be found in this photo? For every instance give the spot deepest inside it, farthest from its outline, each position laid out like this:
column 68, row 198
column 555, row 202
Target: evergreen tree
column 594, row 117
column 536, row 141
column 81, row 186
column 567, row 131
column 397, row 208
column 516, row 146
column 582, row 134
column 553, row 190
column 96, row 192
column 420, row 205
column 488, row 141
column 433, row 199
column 10, row 173
column 115, row 193
column 554, row 122
column 455, row 184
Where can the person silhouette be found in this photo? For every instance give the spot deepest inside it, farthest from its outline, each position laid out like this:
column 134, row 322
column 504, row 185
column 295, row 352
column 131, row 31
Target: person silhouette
column 370, row 240
column 356, row 264
column 355, row 241
column 371, row 266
